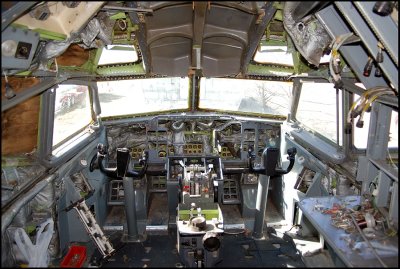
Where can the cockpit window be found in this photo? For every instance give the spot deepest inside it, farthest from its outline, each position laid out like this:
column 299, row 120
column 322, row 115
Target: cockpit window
column 72, row 111
column 138, row 96
column 274, row 55
column 117, row 54
column 362, row 133
column 318, row 107
column 244, row 95
column 279, row 55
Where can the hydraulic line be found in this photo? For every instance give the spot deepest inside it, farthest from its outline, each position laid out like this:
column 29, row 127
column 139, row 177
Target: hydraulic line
column 333, row 64
column 362, row 100
column 369, row 102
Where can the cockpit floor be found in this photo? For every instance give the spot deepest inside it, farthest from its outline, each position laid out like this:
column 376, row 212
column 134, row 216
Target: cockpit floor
column 238, row 247
column 238, row 250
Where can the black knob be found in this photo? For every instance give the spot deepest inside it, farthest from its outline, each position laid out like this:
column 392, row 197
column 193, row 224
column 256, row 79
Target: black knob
column 384, row 8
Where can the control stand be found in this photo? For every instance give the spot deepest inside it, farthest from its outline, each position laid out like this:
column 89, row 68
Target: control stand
column 123, row 172
column 268, row 168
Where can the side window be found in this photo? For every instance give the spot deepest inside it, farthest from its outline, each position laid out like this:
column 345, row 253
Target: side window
column 362, row 133
column 72, row 112
column 317, row 110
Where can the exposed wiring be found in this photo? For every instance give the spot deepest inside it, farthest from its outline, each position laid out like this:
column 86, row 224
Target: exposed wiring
column 367, row 241
column 3, row 172
column 372, row 99
column 391, row 160
column 5, row 76
column 8, row 188
column 294, row 225
column 55, row 62
column 334, row 60
column 362, row 100
column 361, row 105
column 373, row 183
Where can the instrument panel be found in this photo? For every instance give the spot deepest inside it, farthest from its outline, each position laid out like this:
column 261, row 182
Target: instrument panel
column 228, row 139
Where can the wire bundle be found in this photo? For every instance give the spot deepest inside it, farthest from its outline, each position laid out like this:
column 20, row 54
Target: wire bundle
column 363, row 104
column 334, row 67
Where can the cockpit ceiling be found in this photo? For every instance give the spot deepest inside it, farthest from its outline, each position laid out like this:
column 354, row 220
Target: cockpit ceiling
column 213, row 37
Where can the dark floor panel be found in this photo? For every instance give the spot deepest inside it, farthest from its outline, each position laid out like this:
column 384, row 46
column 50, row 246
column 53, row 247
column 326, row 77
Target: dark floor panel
column 156, row 251
column 244, row 251
column 116, row 216
column 158, row 209
column 236, row 251
column 231, row 214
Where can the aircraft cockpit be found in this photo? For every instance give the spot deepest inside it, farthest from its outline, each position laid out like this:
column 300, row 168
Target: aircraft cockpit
column 199, row 134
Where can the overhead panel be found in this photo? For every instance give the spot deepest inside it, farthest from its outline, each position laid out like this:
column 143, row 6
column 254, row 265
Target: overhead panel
column 170, row 40
column 170, row 55
column 225, row 39
column 212, row 37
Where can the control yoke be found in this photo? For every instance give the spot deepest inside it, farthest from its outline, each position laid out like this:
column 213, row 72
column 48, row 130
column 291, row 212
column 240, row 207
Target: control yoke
column 270, row 160
column 123, row 159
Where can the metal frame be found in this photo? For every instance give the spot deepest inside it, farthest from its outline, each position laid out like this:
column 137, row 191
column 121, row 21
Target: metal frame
column 355, row 55
column 326, row 150
column 141, row 37
column 295, row 98
column 30, row 92
column 46, row 127
column 347, row 141
column 257, row 32
column 383, row 27
column 46, row 123
column 15, row 12
column 367, row 36
column 200, row 10
column 367, row 27
column 384, row 99
column 379, row 127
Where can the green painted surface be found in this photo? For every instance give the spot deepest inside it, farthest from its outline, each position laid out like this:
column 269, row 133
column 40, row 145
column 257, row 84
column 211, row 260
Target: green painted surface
column 209, row 214
column 278, row 15
column 278, row 5
column 254, row 69
column 273, row 43
column 117, row 16
column 24, row 73
column 30, row 229
column 91, row 64
column 44, row 34
column 123, row 70
column 299, row 65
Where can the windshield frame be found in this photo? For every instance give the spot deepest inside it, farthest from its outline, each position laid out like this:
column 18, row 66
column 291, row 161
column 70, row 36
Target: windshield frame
column 249, row 113
column 148, row 100
column 193, row 100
